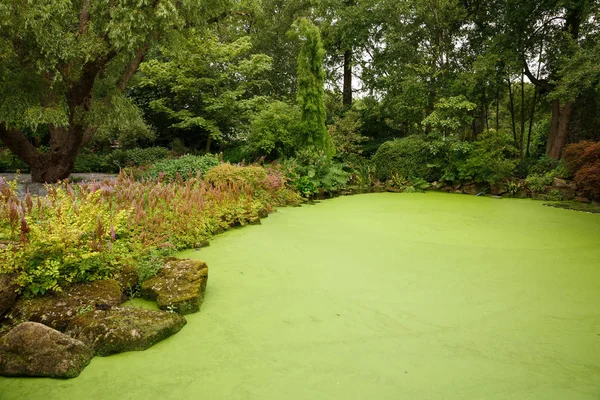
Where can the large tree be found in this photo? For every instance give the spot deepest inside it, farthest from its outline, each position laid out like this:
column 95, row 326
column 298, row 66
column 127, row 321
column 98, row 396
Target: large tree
column 65, row 63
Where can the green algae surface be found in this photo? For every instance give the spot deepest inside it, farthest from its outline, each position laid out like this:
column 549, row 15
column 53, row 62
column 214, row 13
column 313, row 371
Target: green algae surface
column 380, row 296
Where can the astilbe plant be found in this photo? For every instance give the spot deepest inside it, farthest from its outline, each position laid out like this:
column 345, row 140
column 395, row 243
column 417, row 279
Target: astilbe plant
column 86, row 232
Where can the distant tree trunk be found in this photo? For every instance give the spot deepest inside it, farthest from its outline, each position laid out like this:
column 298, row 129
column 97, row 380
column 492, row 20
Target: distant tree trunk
column 559, row 128
column 512, row 112
column 535, row 92
column 497, row 108
column 208, row 143
column 347, row 91
column 522, row 137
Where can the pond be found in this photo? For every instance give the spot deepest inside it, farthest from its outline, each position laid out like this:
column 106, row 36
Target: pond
column 378, row 296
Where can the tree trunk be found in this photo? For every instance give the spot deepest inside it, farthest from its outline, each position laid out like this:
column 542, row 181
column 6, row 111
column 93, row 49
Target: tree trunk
column 558, row 138
column 208, row 143
column 347, row 91
column 512, row 113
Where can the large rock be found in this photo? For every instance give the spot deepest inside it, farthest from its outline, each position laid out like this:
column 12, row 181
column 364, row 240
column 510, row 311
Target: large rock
column 117, row 330
column 56, row 310
column 178, row 286
column 498, row 189
column 8, row 292
column 562, row 184
column 128, row 280
column 470, row 188
column 32, row 349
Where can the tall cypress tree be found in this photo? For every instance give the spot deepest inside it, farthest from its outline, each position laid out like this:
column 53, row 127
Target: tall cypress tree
column 311, row 80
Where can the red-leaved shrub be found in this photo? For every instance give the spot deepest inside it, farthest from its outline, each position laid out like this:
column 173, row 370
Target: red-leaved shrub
column 583, row 161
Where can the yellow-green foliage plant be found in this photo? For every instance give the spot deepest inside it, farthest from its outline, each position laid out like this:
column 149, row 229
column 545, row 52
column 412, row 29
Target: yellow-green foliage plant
column 86, row 232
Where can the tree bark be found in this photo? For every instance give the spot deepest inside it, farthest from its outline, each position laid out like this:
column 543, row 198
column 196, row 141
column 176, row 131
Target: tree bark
column 347, row 91
column 559, row 130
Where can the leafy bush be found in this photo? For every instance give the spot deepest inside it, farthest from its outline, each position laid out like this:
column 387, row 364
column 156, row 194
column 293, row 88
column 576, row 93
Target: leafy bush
column 274, row 131
column 577, row 155
column 185, row 167
column 583, row 161
column 137, row 157
column 346, row 137
column 89, row 161
column 406, row 157
column 588, row 180
column 9, row 162
column 313, row 171
column 537, row 182
column 93, row 162
column 491, row 160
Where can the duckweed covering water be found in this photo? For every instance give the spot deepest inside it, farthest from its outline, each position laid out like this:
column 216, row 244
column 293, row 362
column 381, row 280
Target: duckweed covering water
column 386, row 296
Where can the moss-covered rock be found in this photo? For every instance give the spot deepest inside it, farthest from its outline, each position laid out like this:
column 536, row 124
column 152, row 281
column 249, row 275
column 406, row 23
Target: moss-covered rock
column 32, row 349
column 117, row 330
column 8, row 292
column 128, row 280
column 57, row 309
column 179, row 285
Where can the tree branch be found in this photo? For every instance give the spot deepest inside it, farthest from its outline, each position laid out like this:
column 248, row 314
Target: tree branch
column 133, row 66
column 18, row 143
column 541, row 83
column 84, row 17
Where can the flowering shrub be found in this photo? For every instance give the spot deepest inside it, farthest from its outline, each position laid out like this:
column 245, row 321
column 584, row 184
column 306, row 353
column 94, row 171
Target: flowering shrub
column 87, row 232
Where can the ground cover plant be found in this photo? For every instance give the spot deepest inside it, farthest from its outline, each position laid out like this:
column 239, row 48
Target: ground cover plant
column 89, row 231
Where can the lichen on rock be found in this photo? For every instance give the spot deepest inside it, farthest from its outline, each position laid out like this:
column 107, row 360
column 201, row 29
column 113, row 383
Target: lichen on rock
column 179, row 285
column 57, row 309
column 117, row 330
column 33, row 349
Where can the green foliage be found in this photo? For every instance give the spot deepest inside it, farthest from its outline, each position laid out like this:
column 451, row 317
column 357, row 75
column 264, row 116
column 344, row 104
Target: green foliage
column 411, row 185
column 205, row 87
column 313, row 171
column 183, row 167
column 274, row 131
column 450, row 115
column 346, row 137
column 88, row 161
column 137, row 156
column 513, row 187
column 10, row 163
column 310, row 96
column 537, row 183
column 491, row 160
column 405, row 157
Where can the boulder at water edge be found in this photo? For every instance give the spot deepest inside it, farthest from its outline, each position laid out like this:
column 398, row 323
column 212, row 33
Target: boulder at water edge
column 32, row 349
column 56, row 310
column 179, row 285
column 117, row 330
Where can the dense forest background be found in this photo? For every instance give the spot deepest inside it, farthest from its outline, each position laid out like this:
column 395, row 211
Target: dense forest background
column 458, row 89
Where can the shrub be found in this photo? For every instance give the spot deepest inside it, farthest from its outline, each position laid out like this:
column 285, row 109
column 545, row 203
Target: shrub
column 583, row 161
column 588, row 180
column 313, row 171
column 537, row 182
column 274, row 131
column 93, row 162
column 490, row 161
column 137, row 157
column 577, row 155
column 10, row 162
column 406, row 157
column 185, row 167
